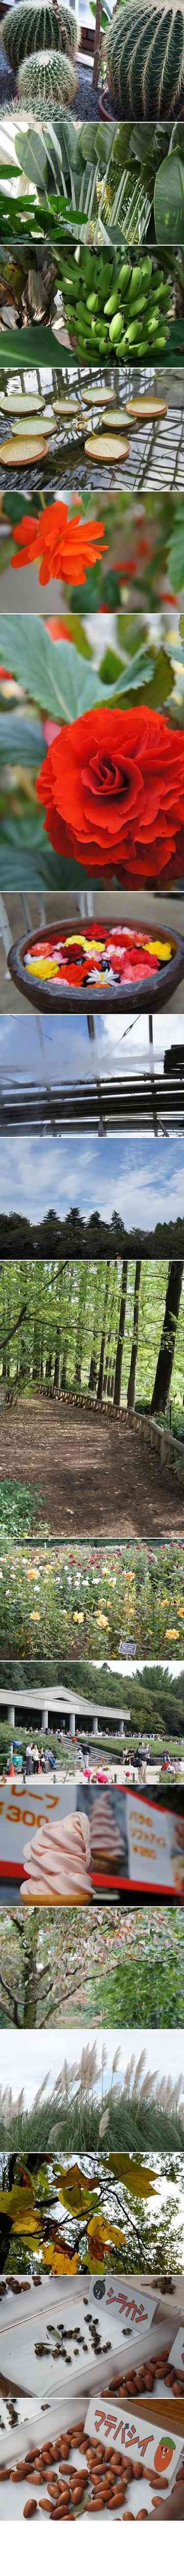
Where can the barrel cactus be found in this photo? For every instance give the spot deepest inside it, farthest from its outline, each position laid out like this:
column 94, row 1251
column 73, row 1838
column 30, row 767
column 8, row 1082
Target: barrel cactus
column 38, row 25
column 145, row 59
column 47, row 81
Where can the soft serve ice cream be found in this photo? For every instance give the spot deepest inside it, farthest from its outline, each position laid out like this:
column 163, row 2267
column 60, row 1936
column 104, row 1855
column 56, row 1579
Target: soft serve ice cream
column 57, row 1864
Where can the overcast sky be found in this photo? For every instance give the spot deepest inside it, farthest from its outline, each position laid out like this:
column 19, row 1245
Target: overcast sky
column 143, row 1180
column 27, row 2056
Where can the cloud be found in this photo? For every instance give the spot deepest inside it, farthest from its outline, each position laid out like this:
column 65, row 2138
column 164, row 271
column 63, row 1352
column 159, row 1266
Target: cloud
column 142, row 1178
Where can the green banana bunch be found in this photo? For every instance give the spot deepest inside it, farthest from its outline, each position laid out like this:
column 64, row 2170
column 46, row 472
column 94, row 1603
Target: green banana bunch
column 110, row 306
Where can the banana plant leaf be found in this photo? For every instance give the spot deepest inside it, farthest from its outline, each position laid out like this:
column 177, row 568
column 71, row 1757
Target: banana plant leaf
column 169, row 200
column 39, row 347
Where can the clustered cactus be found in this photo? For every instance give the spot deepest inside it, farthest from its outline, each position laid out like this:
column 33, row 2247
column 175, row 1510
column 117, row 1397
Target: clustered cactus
column 145, row 59
column 47, row 81
column 40, row 41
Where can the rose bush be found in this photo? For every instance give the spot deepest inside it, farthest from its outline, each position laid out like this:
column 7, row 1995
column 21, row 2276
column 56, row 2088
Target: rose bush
column 114, row 792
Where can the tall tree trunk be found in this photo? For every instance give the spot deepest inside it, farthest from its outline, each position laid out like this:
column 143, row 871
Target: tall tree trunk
column 135, row 1337
column 109, row 1365
column 36, row 1351
column 102, row 1349
column 168, row 1338
column 80, row 1324
column 48, row 1370
column 121, row 1329
column 94, row 1345
column 57, row 1362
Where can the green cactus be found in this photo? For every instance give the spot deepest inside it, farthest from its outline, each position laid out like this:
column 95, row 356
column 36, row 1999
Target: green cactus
column 145, row 59
column 38, row 25
column 48, row 81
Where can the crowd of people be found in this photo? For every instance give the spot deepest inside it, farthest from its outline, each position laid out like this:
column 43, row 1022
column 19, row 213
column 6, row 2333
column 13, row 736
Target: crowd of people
column 137, row 1768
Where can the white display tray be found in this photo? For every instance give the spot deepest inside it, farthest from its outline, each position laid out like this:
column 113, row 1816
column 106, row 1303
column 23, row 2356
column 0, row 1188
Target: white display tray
column 24, row 2321
column 46, row 2426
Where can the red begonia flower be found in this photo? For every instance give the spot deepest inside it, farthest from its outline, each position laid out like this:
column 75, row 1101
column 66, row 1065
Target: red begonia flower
column 113, row 789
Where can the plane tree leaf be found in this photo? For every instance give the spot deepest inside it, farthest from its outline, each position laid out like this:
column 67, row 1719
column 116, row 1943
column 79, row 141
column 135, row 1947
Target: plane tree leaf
column 136, row 2177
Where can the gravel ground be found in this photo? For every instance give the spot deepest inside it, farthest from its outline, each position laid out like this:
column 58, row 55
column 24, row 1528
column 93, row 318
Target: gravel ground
column 6, row 81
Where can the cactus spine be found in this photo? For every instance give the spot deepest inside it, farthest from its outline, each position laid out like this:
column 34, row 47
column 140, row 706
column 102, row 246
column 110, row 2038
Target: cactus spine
column 145, row 59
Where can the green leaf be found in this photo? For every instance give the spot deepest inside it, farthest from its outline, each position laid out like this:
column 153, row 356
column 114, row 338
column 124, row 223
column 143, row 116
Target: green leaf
column 169, row 200
column 41, row 348
column 20, row 742
column 55, row 675
column 137, row 2177
column 160, row 686
column 31, row 153
column 110, row 667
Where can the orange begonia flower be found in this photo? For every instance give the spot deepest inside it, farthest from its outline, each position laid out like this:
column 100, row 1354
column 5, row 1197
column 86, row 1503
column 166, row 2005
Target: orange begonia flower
column 67, row 546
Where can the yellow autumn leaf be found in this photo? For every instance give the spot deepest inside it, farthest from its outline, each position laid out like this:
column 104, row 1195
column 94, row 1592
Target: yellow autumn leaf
column 58, row 2259
column 30, row 2226
column 18, row 2201
column 136, row 2177
column 76, row 2192
column 101, row 2234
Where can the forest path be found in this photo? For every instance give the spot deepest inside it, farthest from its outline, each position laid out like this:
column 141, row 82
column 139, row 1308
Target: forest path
column 94, row 1474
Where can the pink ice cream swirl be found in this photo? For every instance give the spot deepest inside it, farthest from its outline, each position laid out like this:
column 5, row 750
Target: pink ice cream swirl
column 57, row 1863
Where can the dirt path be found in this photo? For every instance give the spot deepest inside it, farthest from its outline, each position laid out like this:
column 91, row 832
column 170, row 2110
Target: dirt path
column 93, row 1472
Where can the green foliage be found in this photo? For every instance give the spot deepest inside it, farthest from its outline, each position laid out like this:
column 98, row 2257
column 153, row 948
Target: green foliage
column 169, row 200
column 133, row 2124
column 129, row 1967
column 34, row 25
column 144, row 51
column 145, row 1990
column 58, row 676
column 49, row 80
column 19, row 1506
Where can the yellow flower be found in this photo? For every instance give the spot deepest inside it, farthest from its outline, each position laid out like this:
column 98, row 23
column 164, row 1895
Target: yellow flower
column 102, row 1623
column 78, row 1618
column 172, row 1632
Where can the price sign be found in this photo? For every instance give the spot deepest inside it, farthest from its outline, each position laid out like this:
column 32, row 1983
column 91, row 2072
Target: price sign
column 121, row 2430
column 134, row 2311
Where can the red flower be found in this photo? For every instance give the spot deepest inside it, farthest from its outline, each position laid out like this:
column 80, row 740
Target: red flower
column 113, row 788
column 57, row 627
column 66, row 546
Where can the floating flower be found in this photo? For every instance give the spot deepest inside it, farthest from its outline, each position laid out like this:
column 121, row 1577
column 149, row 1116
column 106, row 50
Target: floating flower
column 67, row 546
column 113, row 789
